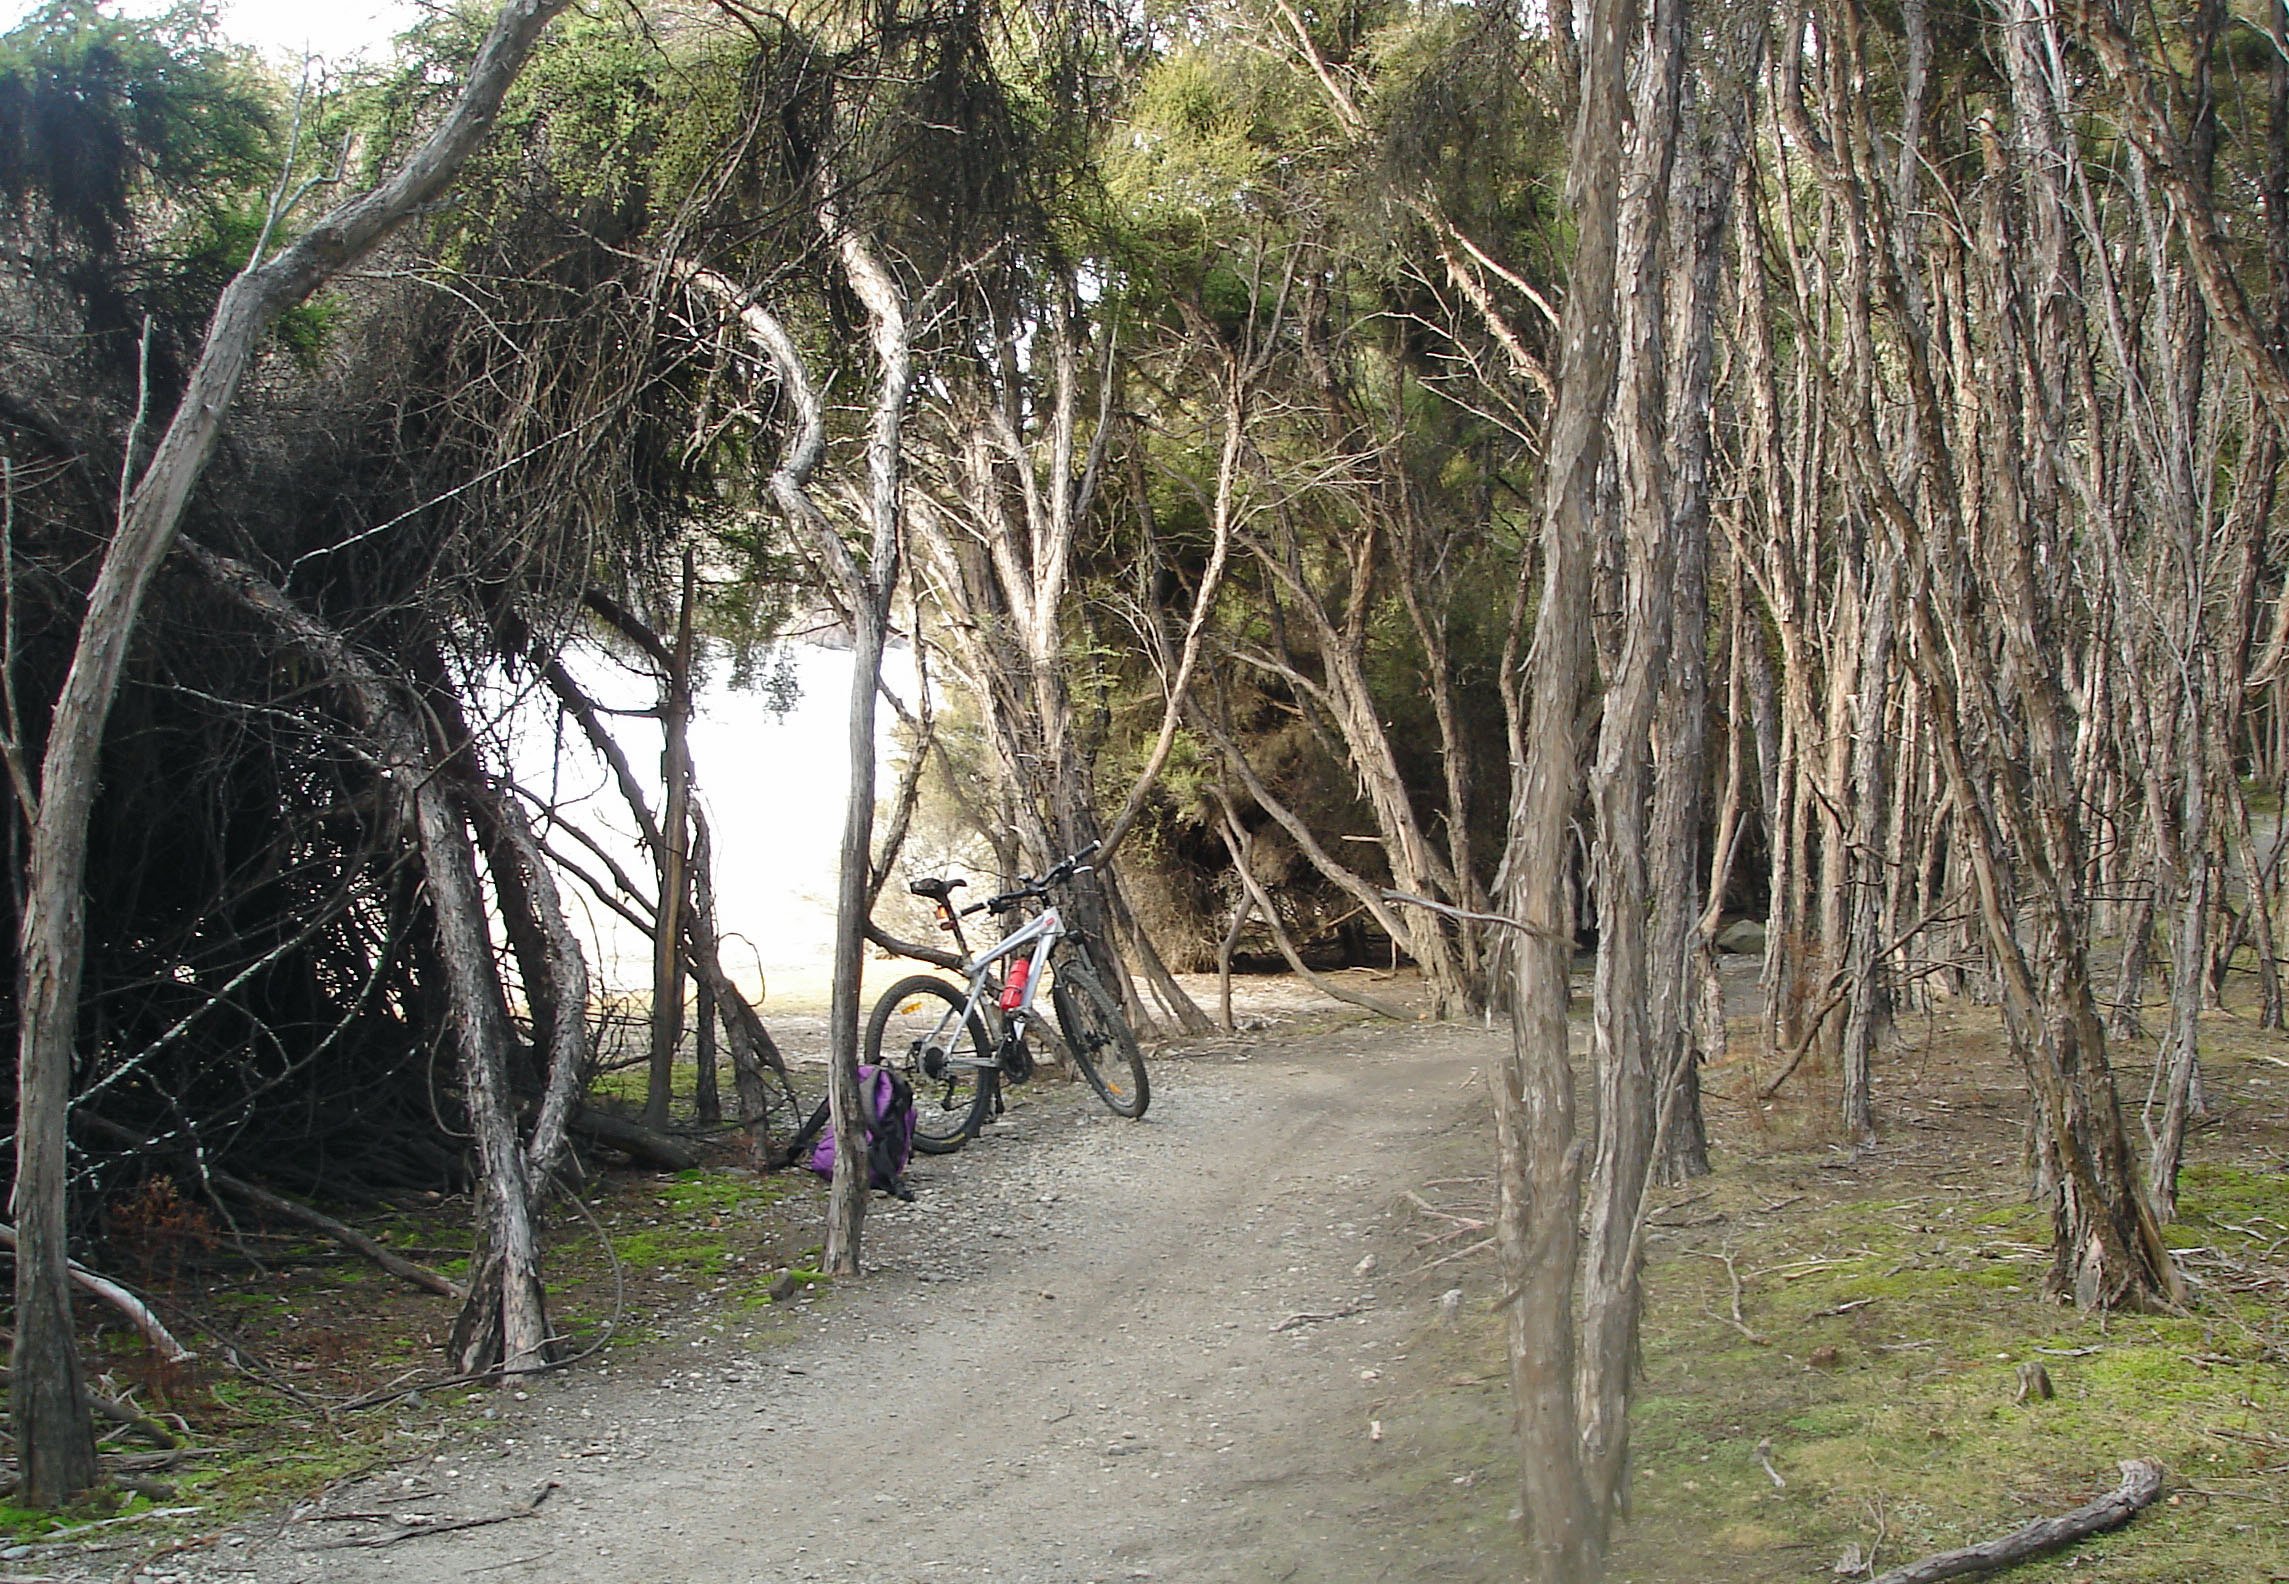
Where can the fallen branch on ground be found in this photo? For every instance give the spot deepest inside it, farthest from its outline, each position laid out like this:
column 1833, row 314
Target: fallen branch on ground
column 117, row 1412
column 137, row 1311
column 348, row 1236
column 1733, row 1271
column 293, row 1210
column 2141, row 1484
column 414, row 1529
column 1429, row 1209
column 1296, row 1322
column 1461, row 1253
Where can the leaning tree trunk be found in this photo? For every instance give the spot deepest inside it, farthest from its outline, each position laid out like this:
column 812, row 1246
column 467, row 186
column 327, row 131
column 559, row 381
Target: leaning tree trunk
column 504, row 1323
column 55, row 1442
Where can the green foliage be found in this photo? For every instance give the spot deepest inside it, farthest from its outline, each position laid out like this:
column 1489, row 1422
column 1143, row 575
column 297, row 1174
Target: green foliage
column 102, row 116
column 135, row 154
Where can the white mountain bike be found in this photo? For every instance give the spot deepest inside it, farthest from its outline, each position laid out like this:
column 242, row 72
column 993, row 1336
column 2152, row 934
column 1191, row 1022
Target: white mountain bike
column 957, row 1045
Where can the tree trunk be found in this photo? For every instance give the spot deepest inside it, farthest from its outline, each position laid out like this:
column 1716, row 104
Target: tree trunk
column 55, row 1441
column 867, row 591
column 1621, row 777
column 672, row 861
column 1867, row 1006
column 1702, row 187
column 1538, row 1188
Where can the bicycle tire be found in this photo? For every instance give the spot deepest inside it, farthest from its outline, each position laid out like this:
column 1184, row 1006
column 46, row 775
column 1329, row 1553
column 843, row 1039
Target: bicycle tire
column 910, row 1020
column 1099, row 1037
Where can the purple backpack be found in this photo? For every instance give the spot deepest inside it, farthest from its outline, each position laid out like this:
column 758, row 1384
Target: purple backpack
column 886, row 1102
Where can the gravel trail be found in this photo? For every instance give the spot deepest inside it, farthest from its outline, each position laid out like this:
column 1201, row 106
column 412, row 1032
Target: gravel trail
column 1092, row 1350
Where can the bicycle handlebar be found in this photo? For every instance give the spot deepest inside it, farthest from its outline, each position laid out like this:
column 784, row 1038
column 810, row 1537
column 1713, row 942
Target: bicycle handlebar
column 1028, row 887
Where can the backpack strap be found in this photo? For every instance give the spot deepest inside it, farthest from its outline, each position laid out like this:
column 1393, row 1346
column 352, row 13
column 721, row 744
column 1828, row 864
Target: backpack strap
column 804, row 1137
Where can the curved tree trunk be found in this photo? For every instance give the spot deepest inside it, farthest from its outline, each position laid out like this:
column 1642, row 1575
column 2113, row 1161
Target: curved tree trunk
column 867, row 590
column 504, row 1323
column 55, row 1441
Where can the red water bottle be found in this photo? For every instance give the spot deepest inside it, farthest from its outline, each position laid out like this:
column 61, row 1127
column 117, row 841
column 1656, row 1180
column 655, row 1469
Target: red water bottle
column 1013, row 991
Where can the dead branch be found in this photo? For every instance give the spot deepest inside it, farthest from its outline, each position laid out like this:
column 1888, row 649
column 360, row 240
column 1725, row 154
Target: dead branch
column 1460, row 1253
column 1237, row 842
column 348, row 1236
column 1734, row 1272
column 1296, row 1322
column 291, row 1210
column 138, row 1312
column 2141, row 1484
column 116, row 1411
column 415, row 1528
column 1429, row 1209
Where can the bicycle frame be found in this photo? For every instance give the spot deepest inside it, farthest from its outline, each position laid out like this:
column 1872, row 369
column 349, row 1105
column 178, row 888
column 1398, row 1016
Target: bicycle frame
column 980, row 1028
column 1039, row 933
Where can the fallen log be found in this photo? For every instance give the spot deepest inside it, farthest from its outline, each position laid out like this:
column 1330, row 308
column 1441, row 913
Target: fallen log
column 348, row 1236
column 2141, row 1484
column 646, row 1146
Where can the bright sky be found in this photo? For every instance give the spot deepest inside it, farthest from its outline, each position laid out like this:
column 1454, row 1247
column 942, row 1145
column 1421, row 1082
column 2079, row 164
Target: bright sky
column 333, row 29
column 773, row 788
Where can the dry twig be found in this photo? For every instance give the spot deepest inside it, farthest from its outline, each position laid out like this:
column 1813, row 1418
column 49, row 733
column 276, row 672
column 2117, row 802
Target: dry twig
column 413, row 1528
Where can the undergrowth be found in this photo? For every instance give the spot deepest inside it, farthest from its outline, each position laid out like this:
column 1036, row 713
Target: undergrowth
column 1873, row 1390
column 314, row 1368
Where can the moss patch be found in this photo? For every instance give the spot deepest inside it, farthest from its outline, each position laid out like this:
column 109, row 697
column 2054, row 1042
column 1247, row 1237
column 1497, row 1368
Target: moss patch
column 1894, row 1306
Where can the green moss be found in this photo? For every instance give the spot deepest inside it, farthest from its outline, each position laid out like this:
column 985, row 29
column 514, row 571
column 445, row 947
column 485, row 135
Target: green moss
column 656, row 1248
column 23, row 1523
column 700, row 1192
column 2229, row 1197
column 1911, row 1424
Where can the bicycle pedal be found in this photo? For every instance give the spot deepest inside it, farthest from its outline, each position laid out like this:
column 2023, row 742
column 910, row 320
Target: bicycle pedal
column 1016, row 1061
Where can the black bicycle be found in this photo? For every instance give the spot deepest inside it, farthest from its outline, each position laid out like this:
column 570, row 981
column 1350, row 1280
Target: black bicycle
column 956, row 1045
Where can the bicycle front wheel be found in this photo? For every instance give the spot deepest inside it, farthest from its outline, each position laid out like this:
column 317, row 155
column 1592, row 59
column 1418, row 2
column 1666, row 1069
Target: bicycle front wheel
column 1099, row 1038
column 917, row 1029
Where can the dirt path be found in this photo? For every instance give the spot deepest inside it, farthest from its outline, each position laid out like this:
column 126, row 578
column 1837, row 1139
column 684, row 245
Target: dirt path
column 1091, row 1351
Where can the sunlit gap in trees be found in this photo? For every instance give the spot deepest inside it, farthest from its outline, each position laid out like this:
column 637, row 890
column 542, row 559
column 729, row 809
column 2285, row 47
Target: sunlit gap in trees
column 772, row 784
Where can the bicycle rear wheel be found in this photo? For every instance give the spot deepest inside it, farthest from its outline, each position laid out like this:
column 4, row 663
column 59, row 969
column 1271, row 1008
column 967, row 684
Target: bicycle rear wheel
column 1099, row 1038
column 917, row 1029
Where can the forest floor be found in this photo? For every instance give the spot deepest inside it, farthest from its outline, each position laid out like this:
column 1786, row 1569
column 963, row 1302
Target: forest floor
column 1211, row 1347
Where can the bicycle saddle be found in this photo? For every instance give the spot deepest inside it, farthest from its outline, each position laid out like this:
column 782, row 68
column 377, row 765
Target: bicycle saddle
column 936, row 890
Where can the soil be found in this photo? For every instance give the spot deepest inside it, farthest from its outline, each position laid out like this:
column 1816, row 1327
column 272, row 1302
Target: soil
column 1198, row 1347
column 1215, row 1346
